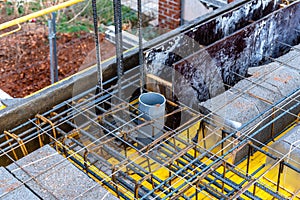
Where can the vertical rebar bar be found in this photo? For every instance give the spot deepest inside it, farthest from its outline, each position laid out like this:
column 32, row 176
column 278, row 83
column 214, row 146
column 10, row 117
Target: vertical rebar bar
column 136, row 189
column 197, row 190
column 182, row 2
column 119, row 41
column 52, row 46
column 254, row 189
column 224, row 175
column 188, row 134
column 248, row 159
column 222, row 144
column 114, row 179
column 150, row 171
column 96, row 35
column 280, row 171
column 10, row 144
column 86, row 152
column 273, row 125
column 141, row 57
column 203, row 133
column 125, row 149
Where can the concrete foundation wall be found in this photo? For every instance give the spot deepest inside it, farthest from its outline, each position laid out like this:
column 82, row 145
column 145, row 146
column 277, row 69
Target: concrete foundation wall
column 188, row 55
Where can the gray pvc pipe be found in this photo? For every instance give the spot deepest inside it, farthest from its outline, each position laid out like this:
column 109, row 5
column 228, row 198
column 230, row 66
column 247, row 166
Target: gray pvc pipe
column 152, row 105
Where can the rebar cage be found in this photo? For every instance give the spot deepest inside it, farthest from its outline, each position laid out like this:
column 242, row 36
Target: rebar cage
column 198, row 154
column 99, row 133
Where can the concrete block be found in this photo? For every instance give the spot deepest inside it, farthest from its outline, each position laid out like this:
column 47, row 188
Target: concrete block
column 292, row 54
column 52, row 176
column 262, row 71
column 12, row 189
column 129, row 40
column 255, row 94
column 272, row 85
column 248, row 98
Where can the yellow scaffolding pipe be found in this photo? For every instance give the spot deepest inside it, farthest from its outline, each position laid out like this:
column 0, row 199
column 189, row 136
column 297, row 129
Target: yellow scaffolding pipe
column 10, row 32
column 38, row 14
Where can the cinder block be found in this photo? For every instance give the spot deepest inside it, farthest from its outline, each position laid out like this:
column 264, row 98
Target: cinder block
column 13, row 189
column 52, row 176
column 266, row 86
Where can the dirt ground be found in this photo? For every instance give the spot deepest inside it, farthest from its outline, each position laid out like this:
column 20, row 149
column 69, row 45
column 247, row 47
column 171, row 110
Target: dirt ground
column 25, row 63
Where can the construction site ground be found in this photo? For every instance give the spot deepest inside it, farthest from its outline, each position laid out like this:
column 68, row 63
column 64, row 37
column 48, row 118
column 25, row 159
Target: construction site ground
column 25, row 60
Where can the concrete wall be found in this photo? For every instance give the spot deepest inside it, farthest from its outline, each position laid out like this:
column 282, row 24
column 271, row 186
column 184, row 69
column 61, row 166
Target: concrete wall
column 231, row 57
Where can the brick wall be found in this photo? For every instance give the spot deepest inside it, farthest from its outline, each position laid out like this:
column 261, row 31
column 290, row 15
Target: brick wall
column 169, row 12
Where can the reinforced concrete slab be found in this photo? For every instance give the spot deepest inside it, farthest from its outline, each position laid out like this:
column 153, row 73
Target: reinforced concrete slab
column 12, row 189
column 52, row 176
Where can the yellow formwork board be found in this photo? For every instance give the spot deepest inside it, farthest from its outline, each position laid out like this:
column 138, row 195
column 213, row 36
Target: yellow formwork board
column 257, row 160
column 163, row 173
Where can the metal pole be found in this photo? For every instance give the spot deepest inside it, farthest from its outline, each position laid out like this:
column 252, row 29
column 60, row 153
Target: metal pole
column 52, row 46
column 141, row 58
column 119, row 41
column 96, row 35
column 182, row 2
column 51, row 51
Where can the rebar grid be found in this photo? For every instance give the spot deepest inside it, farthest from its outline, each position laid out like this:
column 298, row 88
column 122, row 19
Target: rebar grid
column 188, row 163
column 86, row 104
column 99, row 133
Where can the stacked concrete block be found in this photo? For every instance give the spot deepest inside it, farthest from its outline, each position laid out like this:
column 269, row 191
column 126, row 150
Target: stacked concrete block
column 51, row 176
column 12, row 189
column 266, row 85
